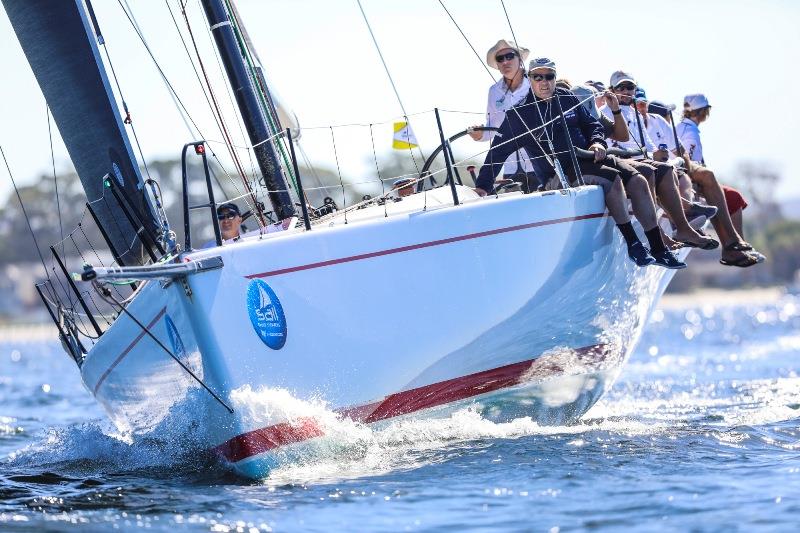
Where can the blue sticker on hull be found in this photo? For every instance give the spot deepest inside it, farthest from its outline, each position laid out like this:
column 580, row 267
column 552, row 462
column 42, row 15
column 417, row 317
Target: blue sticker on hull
column 266, row 314
column 178, row 349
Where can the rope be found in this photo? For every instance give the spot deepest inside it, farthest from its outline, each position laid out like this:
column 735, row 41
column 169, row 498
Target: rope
column 179, row 103
column 221, row 123
column 263, row 93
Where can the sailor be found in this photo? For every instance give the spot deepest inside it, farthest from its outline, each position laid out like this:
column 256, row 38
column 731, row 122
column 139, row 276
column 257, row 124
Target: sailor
column 535, row 123
column 696, row 213
column 230, row 221
column 735, row 200
column 230, row 224
column 660, row 175
column 736, row 251
column 509, row 58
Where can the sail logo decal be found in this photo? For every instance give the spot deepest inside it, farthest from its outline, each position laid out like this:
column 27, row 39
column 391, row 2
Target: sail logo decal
column 266, row 314
column 117, row 173
column 178, row 348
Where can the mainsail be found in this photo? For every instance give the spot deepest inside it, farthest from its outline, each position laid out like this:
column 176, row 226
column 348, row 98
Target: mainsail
column 60, row 46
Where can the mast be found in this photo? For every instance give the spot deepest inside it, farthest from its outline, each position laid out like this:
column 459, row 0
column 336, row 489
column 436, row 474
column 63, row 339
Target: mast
column 247, row 100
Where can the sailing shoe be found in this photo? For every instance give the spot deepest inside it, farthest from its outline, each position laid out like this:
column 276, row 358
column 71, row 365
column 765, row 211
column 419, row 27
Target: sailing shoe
column 697, row 209
column 667, row 259
column 697, row 222
column 640, row 255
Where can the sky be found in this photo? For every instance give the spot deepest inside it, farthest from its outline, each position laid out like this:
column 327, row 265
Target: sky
column 320, row 58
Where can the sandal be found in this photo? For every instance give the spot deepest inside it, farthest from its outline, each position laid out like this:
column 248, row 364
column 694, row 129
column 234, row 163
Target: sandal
column 740, row 246
column 710, row 244
column 744, row 261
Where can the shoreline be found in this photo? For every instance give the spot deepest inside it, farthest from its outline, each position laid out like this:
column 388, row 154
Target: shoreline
column 716, row 296
column 14, row 331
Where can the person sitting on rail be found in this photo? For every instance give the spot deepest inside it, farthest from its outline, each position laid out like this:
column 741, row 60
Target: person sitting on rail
column 509, row 58
column 734, row 198
column 536, row 124
column 660, row 175
column 659, row 128
column 736, row 251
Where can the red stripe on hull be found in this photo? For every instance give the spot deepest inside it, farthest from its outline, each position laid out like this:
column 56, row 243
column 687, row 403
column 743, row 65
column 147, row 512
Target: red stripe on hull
column 127, row 350
column 436, row 394
column 421, row 245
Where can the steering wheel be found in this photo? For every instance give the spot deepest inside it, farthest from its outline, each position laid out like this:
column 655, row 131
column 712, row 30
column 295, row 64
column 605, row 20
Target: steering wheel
column 425, row 172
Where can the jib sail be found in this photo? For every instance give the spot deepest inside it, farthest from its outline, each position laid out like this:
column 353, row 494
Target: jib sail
column 60, row 46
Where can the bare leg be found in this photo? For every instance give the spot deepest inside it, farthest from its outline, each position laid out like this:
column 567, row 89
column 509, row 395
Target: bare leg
column 722, row 223
column 641, row 201
column 614, row 195
column 615, row 201
column 685, row 190
column 736, row 218
column 714, row 195
column 670, row 200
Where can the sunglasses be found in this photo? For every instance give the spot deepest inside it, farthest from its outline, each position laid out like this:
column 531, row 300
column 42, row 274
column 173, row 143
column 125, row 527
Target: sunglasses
column 227, row 216
column 505, row 57
column 625, row 86
column 540, row 77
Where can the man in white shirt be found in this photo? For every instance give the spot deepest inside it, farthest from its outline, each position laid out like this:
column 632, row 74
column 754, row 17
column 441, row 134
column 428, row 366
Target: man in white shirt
column 736, row 251
column 513, row 87
column 660, row 175
column 696, row 110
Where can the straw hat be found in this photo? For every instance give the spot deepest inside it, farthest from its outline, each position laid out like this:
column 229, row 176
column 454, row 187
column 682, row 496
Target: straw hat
column 501, row 44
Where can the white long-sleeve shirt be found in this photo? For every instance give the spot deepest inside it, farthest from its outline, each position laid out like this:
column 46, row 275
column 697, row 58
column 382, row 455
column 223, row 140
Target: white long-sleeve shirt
column 500, row 101
column 689, row 135
column 660, row 131
column 633, row 142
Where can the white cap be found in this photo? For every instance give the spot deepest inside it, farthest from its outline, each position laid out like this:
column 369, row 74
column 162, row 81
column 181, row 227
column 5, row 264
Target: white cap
column 542, row 62
column 619, row 77
column 693, row 102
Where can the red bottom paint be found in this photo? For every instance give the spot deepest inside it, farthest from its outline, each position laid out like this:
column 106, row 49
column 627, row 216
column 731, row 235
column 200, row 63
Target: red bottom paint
column 401, row 403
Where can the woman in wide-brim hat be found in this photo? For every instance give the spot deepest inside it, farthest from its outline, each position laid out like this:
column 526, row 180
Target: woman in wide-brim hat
column 509, row 58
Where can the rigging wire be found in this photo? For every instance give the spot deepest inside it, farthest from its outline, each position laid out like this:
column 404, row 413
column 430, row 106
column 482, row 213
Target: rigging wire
column 102, row 42
column 223, row 128
column 184, row 115
column 265, row 99
column 106, row 295
column 24, row 211
column 378, row 170
column 480, row 59
column 380, row 54
column 388, row 74
column 55, row 178
column 502, row 3
column 236, row 115
column 173, row 92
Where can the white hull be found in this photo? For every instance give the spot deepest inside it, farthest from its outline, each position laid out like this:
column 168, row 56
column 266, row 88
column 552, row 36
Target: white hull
column 526, row 304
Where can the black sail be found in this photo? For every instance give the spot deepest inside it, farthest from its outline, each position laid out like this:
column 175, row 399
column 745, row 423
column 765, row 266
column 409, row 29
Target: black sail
column 58, row 41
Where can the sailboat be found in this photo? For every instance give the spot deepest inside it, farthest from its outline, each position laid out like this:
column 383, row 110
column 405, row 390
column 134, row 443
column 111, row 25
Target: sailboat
column 515, row 304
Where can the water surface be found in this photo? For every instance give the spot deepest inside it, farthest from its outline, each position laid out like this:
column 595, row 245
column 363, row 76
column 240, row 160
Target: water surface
column 701, row 432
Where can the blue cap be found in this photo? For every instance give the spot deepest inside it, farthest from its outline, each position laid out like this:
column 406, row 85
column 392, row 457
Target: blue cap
column 640, row 94
column 228, row 206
